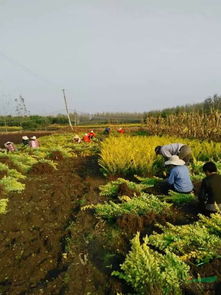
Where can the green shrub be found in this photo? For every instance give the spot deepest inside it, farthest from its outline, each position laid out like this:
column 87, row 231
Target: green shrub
column 179, row 198
column 11, row 184
column 3, row 206
column 199, row 242
column 150, row 272
column 144, row 204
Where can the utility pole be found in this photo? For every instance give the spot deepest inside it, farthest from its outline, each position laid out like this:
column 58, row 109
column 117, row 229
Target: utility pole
column 66, row 106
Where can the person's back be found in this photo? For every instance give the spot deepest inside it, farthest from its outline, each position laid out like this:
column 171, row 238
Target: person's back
column 210, row 190
column 170, row 149
column 180, row 179
column 182, row 150
column 86, row 138
column 213, row 188
column 107, row 130
column 34, row 143
column 91, row 134
column 121, row 130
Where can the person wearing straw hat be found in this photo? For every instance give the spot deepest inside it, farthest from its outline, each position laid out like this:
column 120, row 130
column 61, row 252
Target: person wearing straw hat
column 25, row 140
column 34, row 143
column 77, row 138
column 10, row 147
column 179, row 177
column 182, row 150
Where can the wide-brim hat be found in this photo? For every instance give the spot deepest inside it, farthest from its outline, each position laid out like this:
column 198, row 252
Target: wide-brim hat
column 175, row 160
column 25, row 137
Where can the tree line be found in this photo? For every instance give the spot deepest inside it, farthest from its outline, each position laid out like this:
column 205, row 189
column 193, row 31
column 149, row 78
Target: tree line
column 211, row 105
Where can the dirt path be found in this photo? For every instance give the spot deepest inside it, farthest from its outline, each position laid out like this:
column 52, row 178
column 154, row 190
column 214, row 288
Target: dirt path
column 35, row 234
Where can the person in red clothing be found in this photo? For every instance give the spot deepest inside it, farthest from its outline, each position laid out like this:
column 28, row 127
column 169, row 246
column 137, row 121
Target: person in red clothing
column 121, row 130
column 86, row 137
column 91, row 134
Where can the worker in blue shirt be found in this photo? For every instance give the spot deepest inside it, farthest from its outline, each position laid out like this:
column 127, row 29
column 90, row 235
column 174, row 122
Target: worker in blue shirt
column 179, row 177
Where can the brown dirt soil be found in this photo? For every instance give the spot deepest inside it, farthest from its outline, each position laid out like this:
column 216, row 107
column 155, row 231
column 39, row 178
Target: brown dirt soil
column 3, row 173
column 145, row 224
column 56, row 156
column 123, row 189
column 16, row 137
column 8, row 162
column 41, row 168
column 35, row 233
column 207, row 270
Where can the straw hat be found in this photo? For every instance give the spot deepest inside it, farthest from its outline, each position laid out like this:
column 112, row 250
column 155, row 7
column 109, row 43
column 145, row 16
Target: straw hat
column 175, row 160
column 25, row 137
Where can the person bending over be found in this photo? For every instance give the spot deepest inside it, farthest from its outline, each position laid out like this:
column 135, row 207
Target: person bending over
column 182, row 150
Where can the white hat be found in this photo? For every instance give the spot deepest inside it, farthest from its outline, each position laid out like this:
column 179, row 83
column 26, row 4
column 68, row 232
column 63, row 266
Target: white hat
column 175, row 160
column 33, row 137
column 8, row 142
column 25, row 137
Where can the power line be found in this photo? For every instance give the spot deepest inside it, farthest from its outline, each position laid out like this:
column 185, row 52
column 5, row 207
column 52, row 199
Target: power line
column 27, row 69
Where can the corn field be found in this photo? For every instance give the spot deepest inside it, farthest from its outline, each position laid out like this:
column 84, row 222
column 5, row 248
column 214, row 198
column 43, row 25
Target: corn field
column 189, row 125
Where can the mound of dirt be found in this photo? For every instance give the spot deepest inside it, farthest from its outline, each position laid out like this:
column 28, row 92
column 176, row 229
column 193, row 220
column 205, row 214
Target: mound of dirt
column 3, row 173
column 56, row 156
column 41, row 168
column 124, row 190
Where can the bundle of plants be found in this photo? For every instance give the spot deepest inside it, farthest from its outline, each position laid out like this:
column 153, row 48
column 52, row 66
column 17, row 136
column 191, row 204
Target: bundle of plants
column 141, row 205
column 198, row 242
column 10, row 180
column 113, row 188
column 150, row 272
column 178, row 198
column 21, row 161
column 3, row 206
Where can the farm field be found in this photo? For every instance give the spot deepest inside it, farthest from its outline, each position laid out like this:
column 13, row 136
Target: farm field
column 87, row 219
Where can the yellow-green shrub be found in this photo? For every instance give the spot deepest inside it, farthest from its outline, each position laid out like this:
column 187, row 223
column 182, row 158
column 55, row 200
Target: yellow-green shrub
column 126, row 155
column 150, row 272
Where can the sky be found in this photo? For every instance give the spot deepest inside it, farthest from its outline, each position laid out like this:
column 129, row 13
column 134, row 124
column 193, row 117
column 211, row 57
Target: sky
column 108, row 55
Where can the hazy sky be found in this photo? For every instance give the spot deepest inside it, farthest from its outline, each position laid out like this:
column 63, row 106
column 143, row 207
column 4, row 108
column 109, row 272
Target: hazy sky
column 109, row 55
